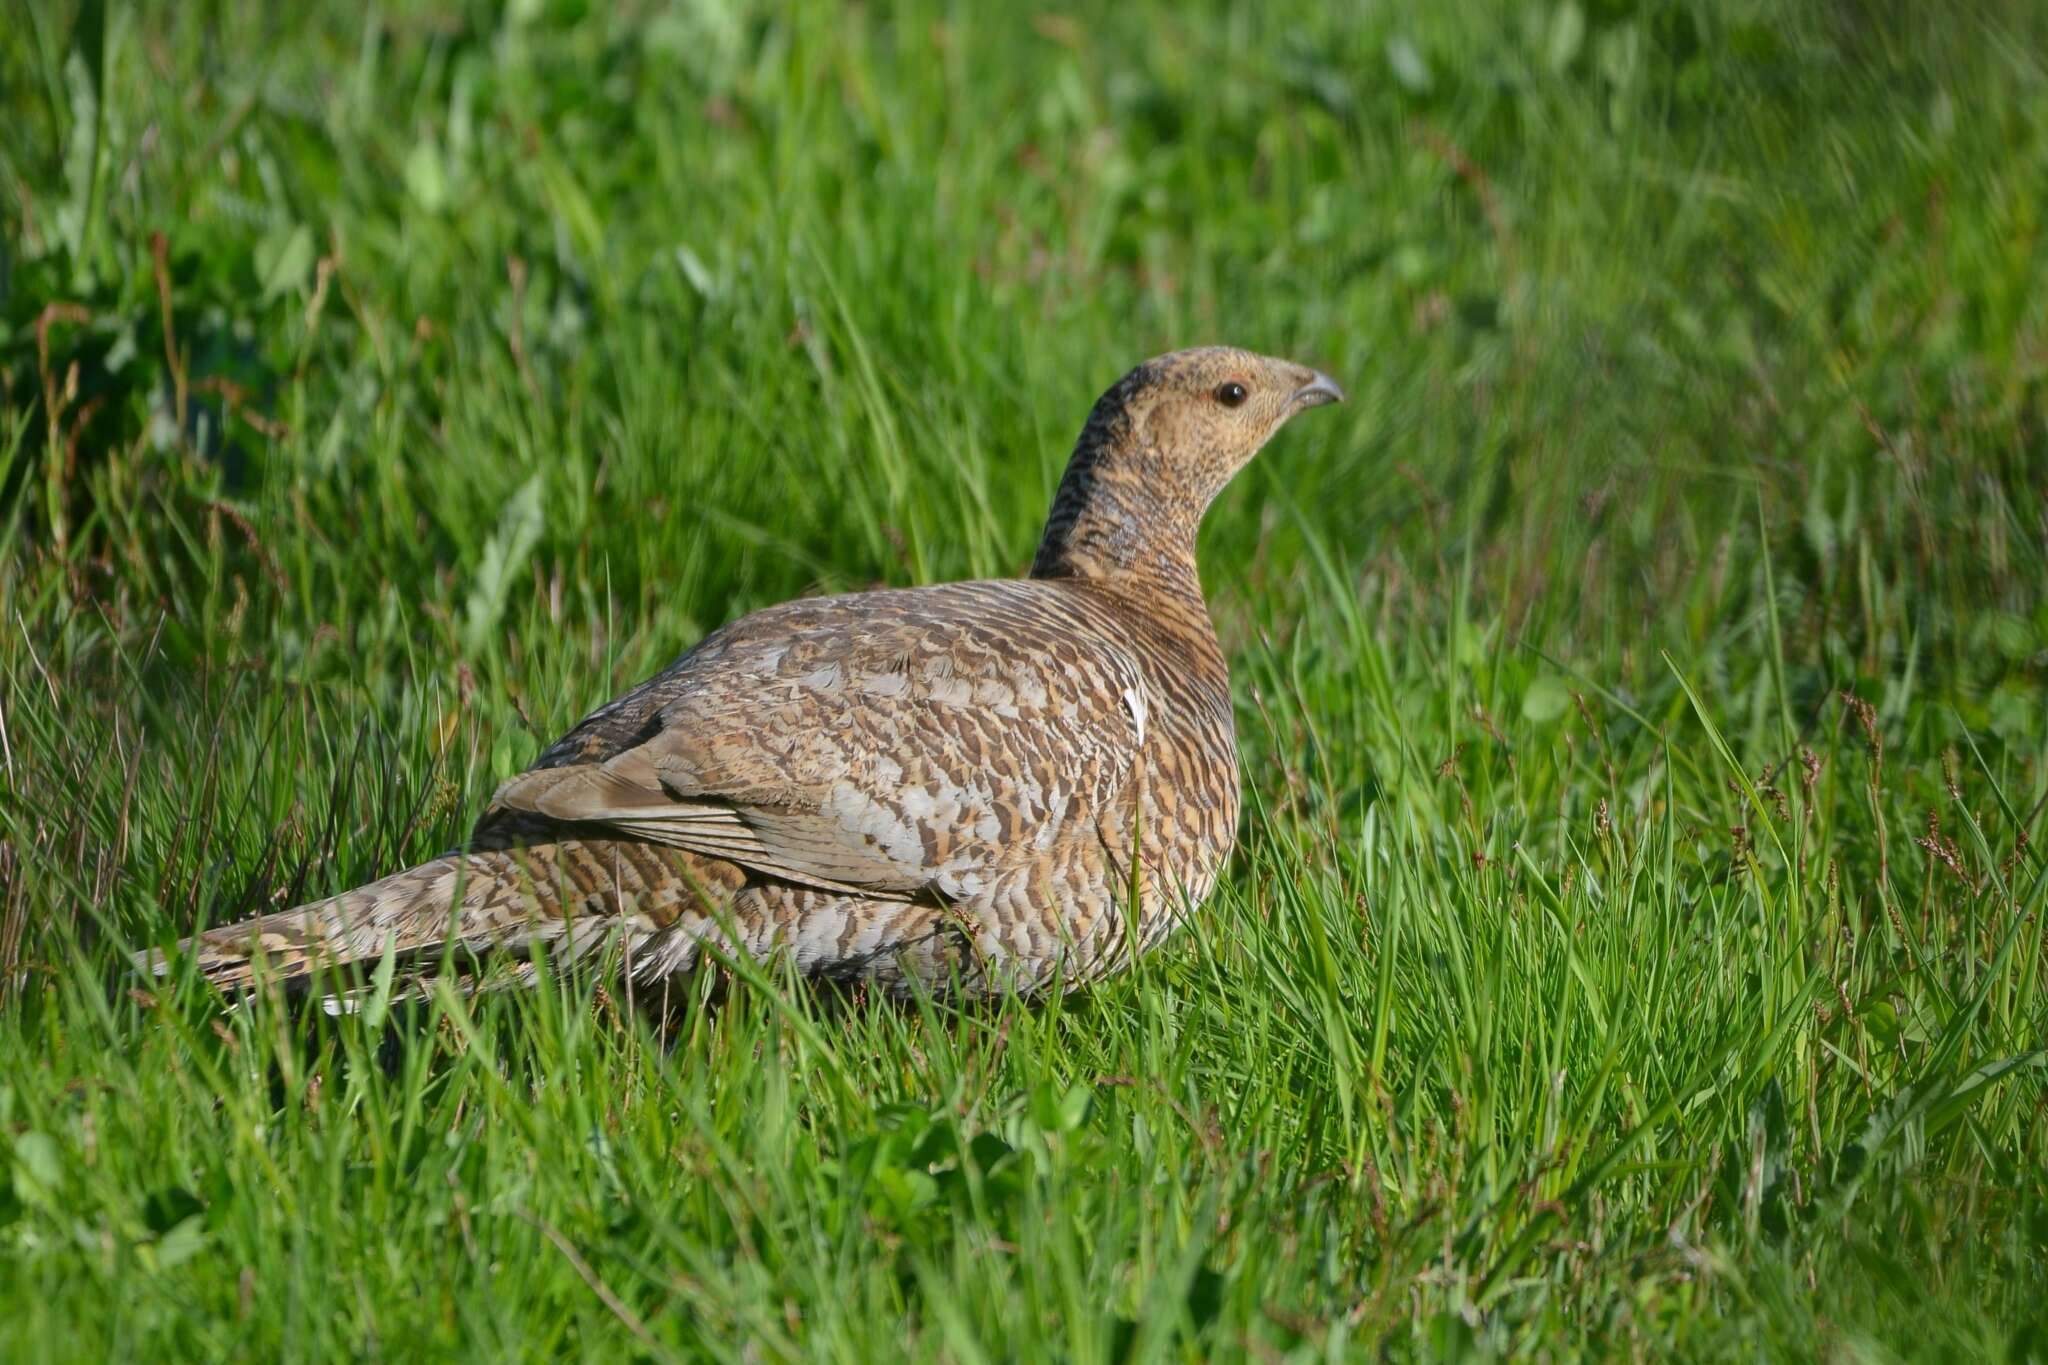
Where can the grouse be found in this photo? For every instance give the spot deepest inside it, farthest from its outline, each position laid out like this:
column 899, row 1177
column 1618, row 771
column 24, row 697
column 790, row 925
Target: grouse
column 1011, row 785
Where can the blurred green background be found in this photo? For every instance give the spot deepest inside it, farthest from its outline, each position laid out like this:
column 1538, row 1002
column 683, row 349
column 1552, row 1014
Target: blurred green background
column 1643, row 680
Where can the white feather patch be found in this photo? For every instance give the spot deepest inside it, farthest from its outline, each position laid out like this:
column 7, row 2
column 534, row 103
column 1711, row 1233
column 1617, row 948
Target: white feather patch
column 1134, row 702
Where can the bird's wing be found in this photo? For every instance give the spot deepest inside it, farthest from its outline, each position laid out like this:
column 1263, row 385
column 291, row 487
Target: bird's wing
column 885, row 744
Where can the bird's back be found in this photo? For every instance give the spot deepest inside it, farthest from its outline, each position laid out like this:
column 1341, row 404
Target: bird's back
column 977, row 759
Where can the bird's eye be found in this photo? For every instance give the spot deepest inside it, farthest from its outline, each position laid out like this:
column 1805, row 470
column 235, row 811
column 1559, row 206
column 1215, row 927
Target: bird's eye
column 1231, row 394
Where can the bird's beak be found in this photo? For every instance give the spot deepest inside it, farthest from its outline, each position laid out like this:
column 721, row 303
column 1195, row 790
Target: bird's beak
column 1319, row 390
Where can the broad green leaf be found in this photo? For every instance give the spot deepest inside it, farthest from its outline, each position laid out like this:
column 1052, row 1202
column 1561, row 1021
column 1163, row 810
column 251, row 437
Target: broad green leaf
column 284, row 259
column 505, row 554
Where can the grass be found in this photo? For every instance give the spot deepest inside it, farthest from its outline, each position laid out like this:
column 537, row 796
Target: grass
column 1635, row 946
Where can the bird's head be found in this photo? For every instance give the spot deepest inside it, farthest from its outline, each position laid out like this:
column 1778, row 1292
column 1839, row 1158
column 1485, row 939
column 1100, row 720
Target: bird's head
column 1159, row 446
column 1199, row 416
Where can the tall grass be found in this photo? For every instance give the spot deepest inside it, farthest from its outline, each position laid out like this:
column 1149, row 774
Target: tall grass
column 1636, row 941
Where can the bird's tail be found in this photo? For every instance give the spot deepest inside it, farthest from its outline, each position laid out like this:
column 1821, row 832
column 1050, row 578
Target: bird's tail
column 478, row 901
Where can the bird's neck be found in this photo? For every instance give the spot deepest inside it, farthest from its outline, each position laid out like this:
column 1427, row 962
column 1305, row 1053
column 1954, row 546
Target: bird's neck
column 1115, row 527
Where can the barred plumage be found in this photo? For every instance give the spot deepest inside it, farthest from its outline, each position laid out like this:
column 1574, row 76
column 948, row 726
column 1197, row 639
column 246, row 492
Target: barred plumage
column 960, row 785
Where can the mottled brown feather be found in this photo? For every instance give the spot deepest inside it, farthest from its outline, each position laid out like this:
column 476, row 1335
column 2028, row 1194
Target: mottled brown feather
column 959, row 785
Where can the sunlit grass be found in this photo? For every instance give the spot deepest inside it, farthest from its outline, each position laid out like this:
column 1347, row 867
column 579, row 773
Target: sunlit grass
column 1635, row 945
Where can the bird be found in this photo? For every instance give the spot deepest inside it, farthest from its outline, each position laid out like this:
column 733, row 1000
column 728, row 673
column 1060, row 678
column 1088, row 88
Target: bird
column 1009, row 785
